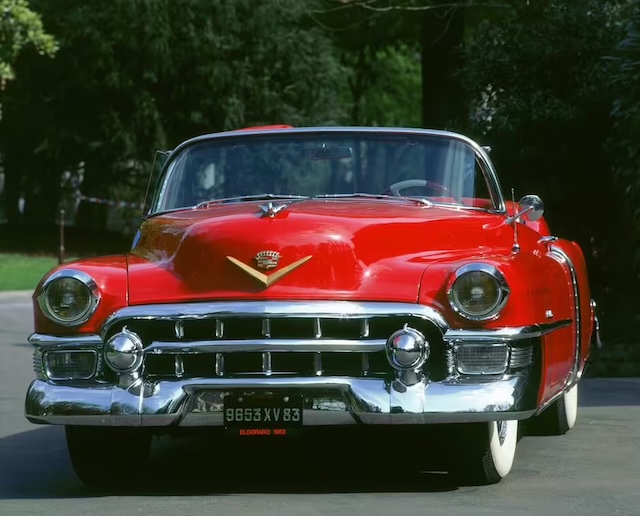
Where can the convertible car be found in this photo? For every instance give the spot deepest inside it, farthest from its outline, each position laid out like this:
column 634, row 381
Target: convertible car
column 289, row 279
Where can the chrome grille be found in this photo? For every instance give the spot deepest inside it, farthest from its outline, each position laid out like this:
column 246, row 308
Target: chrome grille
column 232, row 345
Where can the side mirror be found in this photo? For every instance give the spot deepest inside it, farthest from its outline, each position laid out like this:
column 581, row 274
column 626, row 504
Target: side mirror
column 531, row 208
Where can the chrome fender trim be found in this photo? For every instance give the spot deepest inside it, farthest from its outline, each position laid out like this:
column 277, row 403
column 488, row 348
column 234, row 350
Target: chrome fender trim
column 563, row 258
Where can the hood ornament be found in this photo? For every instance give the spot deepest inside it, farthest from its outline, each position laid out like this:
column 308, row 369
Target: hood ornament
column 270, row 209
column 267, row 259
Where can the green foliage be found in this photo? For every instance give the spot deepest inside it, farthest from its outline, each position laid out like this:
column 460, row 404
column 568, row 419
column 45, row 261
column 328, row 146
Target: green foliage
column 625, row 144
column 20, row 27
column 132, row 76
column 541, row 63
column 380, row 56
column 393, row 97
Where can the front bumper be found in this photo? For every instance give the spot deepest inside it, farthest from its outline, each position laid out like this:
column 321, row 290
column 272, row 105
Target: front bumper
column 328, row 401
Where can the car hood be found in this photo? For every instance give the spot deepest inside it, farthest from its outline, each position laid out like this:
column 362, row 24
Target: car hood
column 340, row 249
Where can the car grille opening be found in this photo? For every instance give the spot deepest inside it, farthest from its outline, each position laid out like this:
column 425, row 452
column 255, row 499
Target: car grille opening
column 342, row 346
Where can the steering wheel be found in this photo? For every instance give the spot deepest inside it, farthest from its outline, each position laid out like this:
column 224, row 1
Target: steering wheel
column 396, row 188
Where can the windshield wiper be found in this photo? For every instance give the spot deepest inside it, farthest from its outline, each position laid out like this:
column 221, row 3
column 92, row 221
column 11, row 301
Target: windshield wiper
column 292, row 198
column 255, row 197
column 419, row 200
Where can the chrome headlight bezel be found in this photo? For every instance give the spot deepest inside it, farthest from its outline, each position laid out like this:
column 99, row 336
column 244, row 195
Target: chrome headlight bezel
column 85, row 281
column 502, row 290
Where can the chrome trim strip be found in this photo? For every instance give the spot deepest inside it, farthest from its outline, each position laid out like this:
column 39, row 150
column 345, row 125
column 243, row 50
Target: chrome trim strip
column 266, row 328
column 573, row 375
column 266, row 362
column 450, row 335
column 549, row 402
column 317, row 364
column 271, row 309
column 44, row 341
column 364, row 328
column 219, row 364
column 317, row 329
column 219, row 329
column 265, row 346
column 504, row 334
column 365, row 364
column 178, row 366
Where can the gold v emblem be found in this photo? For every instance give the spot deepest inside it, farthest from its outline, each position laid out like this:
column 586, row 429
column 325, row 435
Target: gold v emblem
column 267, row 281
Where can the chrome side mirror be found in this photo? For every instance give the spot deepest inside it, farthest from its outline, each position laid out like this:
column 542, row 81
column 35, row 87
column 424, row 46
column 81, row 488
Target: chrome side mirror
column 531, row 208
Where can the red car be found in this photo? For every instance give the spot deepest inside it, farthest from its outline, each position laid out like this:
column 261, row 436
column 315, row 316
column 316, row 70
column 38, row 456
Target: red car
column 289, row 279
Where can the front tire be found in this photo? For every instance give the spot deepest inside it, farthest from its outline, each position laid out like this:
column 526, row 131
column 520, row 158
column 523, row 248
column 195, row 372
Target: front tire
column 561, row 416
column 108, row 457
column 484, row 453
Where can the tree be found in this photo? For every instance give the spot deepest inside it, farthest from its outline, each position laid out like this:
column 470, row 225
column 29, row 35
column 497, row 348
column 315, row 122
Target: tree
column 542, row 97
column 625, row 143
column 20, row 27
column 132, row 76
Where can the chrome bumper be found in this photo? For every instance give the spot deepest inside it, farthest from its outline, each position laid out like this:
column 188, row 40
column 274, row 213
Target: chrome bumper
column 328, row 401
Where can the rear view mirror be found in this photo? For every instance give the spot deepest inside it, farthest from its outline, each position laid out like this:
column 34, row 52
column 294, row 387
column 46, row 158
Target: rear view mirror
column 330, row 153
column 531, row 207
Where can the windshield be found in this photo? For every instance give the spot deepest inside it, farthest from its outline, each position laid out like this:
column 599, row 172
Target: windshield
column 438, row 168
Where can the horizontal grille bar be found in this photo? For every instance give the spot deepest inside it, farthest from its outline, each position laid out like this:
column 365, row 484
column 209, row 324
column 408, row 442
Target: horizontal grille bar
column 521, row 356
column 275, row 309
column 266, row 345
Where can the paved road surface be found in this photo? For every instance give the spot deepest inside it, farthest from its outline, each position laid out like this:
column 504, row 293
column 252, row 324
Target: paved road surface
column 595, row 469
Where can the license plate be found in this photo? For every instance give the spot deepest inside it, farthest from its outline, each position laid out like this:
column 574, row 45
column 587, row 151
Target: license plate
column 263, row 415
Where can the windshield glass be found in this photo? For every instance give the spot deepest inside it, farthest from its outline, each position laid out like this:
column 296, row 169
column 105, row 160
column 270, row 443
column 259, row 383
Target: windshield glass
column 440, row 169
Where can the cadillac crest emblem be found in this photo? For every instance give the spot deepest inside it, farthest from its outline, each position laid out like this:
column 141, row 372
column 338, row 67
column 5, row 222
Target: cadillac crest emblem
column 267, row 259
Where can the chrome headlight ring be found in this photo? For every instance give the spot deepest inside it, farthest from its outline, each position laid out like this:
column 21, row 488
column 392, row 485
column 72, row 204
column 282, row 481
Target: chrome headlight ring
column 84, row 281
column 500, row 285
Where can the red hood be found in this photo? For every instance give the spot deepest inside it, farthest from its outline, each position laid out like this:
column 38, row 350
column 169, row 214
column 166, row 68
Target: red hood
column 359, row 249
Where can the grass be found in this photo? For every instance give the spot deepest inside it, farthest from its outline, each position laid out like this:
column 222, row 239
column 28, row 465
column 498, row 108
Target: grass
column 23, row 272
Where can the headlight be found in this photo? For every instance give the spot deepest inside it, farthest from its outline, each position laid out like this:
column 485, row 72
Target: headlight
column 478, row 291
column 69, row 297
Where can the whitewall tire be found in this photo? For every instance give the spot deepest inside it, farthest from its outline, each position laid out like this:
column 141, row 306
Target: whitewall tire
column 571, row 407
column 484, row 453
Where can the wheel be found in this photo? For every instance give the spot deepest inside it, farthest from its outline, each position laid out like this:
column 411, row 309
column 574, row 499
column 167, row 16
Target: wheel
column 484, row 452
column 560, row 416
column 108, row 457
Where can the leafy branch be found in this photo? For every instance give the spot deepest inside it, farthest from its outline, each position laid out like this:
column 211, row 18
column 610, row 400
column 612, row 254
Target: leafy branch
column 20, row 27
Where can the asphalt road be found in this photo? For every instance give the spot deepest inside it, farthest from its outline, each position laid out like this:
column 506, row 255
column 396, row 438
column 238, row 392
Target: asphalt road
column 594, row 469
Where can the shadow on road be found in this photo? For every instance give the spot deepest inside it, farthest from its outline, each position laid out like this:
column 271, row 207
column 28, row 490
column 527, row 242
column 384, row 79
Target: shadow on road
column 34, row 465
